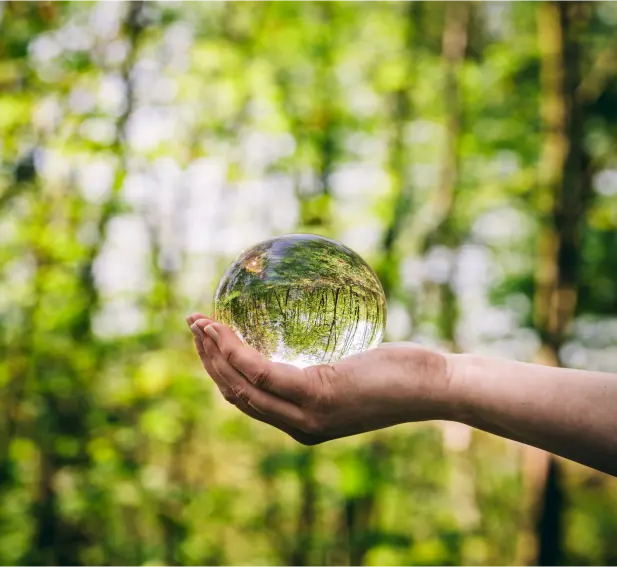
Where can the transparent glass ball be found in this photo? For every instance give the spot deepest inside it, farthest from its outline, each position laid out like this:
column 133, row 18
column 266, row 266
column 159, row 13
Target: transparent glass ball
column 302, row 299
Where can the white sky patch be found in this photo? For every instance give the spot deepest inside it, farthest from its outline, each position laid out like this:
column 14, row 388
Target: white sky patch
column 148, row 127
column 359, row 179
column 105, row 19
column 438, row 265
column 122, row 266
column 398, row 323
column 605, row 183
column 118, row 317
column 502, row 225
column 363, row 238
column 95, row 180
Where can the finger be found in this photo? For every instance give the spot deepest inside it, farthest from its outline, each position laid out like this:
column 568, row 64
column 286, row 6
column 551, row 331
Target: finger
column 297, row 434
column 244, row 407
column 247, row 409
column 261, row 400
column 190, row 319
column 207, row 364
column 198, row 336
column 286, row 381
column 199, row 345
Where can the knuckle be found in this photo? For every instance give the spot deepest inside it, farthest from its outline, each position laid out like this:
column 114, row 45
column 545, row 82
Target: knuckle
column 227, row 353
column 260, row 378
column 322, row 378
column 216, row 365
column 231, row 355
column 240, row 393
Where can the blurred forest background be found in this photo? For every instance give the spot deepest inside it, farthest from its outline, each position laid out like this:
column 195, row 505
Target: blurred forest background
column 467, row 150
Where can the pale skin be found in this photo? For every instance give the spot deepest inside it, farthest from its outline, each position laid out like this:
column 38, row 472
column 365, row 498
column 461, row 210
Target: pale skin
column 571, row 413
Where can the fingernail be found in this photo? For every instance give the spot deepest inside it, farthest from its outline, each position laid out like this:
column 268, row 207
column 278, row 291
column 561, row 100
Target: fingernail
column 211, row 331
column 188, row 320
column 197, row 331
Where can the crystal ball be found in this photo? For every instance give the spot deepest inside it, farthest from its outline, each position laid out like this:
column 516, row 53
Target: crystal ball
column 302, row 299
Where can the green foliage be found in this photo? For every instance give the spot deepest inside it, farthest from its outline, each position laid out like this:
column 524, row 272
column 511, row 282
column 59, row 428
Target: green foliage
column 144, row 145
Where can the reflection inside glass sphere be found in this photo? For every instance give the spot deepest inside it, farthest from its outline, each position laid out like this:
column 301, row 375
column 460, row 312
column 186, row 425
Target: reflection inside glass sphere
column 302, row 299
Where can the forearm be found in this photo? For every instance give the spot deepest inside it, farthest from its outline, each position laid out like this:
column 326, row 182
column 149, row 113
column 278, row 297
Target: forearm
column 571, row 413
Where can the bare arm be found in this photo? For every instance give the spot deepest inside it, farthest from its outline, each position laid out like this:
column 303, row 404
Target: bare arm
column 567, row 412
column 572, row 413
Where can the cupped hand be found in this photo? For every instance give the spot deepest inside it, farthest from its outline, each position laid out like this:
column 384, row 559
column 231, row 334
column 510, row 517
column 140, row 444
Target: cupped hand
column 388, row 385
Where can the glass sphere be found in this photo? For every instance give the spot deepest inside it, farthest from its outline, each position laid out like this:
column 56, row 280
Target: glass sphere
column 302, row 299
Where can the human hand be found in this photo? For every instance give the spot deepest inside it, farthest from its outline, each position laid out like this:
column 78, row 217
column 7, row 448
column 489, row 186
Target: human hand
column 388, row 385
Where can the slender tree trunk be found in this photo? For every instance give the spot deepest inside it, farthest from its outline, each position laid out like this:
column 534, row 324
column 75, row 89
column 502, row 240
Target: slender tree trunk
column 433, row 224
column 564, row 179
column 463, row 490
column 562, row 202
column 316, row 209
column 307, row 512
column 402, row 114
column 550, row 524
column 133, row 27
column 454, row 46
column 360, row 512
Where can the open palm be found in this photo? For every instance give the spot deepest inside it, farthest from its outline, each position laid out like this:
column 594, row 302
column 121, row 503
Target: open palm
column 391, row 384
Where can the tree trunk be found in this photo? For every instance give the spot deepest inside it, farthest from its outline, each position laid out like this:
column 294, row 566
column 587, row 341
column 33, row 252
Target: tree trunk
column 562, row 201
column 305, row 526
column 454, row 46
column 400, row 101
column 463, row 491
column 133, row 26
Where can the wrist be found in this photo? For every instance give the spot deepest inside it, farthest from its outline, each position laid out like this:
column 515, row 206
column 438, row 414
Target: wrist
column 460, row 395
